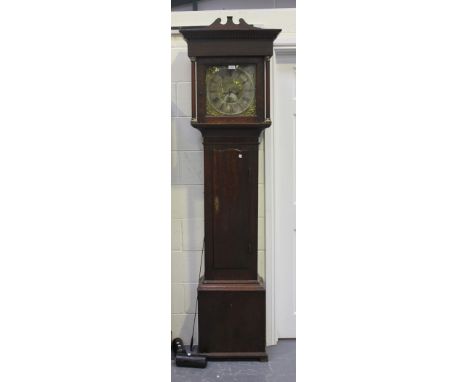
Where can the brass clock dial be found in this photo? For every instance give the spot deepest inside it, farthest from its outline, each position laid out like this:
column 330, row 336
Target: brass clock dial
column 230, row 90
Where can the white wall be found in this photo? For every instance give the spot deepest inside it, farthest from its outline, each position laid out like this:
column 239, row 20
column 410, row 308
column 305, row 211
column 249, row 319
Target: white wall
column 205, row 5
column 187, row 170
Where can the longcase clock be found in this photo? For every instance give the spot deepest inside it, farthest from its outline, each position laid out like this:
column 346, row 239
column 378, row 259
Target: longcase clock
column 230, row 107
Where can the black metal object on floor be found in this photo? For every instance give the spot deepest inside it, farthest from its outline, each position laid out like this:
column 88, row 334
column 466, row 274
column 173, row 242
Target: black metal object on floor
column 184, row 358
column 281, row 367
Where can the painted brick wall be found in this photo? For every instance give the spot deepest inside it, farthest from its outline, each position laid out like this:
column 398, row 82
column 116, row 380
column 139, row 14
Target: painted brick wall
column 187, row 198
column 204, row 5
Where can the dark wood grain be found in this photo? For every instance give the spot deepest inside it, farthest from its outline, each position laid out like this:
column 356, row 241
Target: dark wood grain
column 231, row 210
column 229, row 39
column 267, row 88
column 194, row 92
column 231, row 296
column 231, row 206
column 231, row 320
column 261, row 356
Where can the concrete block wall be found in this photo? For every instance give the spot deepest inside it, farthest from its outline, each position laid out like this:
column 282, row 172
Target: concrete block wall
column 204, row 5
column 187, row 198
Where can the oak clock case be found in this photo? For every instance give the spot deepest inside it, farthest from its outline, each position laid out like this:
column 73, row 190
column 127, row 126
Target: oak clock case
column 230, row 107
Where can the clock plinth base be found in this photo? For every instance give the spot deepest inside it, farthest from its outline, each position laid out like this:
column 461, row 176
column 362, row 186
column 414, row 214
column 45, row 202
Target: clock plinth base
column 259, row 356
column 231, row 321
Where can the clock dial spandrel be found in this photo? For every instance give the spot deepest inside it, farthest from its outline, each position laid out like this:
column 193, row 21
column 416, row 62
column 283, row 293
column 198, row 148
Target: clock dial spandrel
column 230, row 90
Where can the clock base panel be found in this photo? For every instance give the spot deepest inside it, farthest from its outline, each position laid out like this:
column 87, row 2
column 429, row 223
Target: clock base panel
column 231, row 320
column 260, row 356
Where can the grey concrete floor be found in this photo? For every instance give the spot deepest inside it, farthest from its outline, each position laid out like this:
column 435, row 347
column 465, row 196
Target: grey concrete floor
column 281, row 367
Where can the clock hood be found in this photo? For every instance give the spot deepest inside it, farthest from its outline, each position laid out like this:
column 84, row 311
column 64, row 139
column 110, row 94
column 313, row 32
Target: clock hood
column 229, row 39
